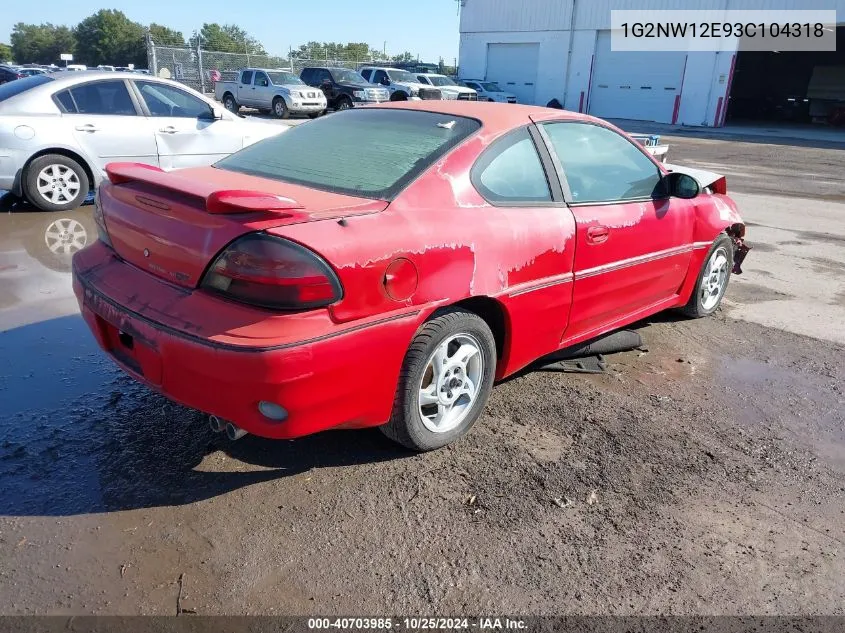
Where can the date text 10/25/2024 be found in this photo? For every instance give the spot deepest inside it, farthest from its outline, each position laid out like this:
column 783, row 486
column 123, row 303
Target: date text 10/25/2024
column 418, row 624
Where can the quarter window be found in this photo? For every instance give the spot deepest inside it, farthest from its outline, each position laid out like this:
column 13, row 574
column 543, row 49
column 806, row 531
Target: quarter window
column 510, row 172
column 601, row 165
column 101, row 97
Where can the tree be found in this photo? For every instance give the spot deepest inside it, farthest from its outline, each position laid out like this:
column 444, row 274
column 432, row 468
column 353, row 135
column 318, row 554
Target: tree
column 5, row 53
column 109, row 37
column 163, row 36
column 41, row 43
column 404, row 57
column 351, row 51
column 228, row 38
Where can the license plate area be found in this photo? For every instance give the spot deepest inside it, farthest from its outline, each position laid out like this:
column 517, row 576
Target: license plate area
column 131, row 343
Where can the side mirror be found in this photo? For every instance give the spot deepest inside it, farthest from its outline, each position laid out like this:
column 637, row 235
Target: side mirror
column 679, row 185
column 216, row 114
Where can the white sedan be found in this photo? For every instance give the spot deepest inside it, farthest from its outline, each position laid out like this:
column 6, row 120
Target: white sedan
column 58, row 131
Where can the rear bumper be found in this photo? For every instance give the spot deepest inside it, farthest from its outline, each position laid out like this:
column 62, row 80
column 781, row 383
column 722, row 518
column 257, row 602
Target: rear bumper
column 305, row 363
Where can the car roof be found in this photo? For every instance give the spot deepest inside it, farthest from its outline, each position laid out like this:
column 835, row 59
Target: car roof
column 493, row 116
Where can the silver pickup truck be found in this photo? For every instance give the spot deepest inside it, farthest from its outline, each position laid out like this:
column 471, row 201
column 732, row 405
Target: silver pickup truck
column 277, row 91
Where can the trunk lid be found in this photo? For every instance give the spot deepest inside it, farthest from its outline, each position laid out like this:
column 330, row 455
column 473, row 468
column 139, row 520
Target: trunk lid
column 173, row 224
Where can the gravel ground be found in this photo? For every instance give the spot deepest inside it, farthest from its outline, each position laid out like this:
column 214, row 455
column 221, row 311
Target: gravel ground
column 705, row 475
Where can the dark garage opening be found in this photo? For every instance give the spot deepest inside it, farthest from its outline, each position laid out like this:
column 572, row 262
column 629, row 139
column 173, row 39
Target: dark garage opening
column 795, row 87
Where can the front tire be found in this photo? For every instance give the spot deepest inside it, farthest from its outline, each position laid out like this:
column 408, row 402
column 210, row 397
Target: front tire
column 55, row 183
column 445, row 382
column 280, row 108
column 344, row 103
column 712, row 279
column 398, row 96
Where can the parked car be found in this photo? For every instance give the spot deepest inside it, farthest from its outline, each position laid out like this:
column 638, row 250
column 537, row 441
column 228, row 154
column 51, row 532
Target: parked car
column 423, row 250
column 76, row 67
column 343, row 88
column 277, row 91
column 9, row 73
column 401, row 84
column 29, row 72
column 58, row 131
column 106, row 68
column 447, row 86
column 490, row 91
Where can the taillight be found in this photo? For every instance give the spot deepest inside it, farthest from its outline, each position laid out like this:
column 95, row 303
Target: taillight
column 271, row 272
column 100, row 220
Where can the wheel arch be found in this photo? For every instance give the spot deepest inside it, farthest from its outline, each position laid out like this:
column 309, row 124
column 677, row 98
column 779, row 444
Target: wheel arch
column 61, row 151
column 494, row 314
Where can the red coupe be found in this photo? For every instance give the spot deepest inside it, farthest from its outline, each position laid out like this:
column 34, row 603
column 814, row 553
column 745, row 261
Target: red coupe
column 386, row 265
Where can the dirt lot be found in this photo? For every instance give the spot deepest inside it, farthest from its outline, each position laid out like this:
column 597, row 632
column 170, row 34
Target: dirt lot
column 703, row 476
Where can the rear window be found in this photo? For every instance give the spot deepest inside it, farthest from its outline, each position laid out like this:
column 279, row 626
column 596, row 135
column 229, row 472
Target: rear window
column 372, row 153
column 12, row 88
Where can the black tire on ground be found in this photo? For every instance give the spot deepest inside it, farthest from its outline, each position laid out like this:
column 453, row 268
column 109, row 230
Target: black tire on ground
column 280, row 108
column 398, row 96
column 344, row 103
column 230, row 104
column 406, row 426
column 695, row 307
column 63, row 173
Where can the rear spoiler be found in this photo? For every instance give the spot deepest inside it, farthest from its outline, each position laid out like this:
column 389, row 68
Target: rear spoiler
column 228, row 201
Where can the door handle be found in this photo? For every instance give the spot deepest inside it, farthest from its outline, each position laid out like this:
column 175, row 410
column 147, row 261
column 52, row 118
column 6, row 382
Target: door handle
column 169, row 130
column 597, row 234
column 87, row 127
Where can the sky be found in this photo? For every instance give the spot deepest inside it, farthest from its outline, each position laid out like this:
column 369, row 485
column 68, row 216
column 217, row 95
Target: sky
column 425, row 27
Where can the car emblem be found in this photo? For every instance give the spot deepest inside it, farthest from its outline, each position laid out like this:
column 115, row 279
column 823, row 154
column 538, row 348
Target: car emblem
column 146, row 252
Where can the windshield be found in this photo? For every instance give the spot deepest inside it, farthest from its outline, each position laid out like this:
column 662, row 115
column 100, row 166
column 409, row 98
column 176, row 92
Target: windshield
column 280, row 78
column 12, row 88
column 402, row 75
column 491, row 86
column 390, row 149
column 349, row 76
column 440, row 81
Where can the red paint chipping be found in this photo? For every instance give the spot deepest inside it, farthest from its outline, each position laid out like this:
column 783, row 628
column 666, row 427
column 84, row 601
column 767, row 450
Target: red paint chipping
column 718, row 116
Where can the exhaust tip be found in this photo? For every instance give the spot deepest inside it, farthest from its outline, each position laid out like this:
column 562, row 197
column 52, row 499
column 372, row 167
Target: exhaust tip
column 216, row 424
column 233, row 432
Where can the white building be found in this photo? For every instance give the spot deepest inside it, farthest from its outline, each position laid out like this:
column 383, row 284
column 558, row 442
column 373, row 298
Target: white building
column 546, row 49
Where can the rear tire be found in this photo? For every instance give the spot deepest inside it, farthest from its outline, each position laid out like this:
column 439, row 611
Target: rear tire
column 450, row 366
column 280, row 108
column 55, row 183
column 230, row 104
column 712, row 279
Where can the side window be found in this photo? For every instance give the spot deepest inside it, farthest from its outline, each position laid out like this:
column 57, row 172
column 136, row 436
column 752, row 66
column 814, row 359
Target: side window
column 423, row 79
column 324, row 76
column 65, row 101
column 379, row 76
column 601, row 165
column 307, row 75
column 366, row 73
column 261, row 80
column 165, row 100
column 470, row 84
column 103, row 97
column 510, row 171
column 246, row 77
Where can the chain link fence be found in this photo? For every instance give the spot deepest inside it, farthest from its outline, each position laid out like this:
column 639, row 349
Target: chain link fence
column 199, row 68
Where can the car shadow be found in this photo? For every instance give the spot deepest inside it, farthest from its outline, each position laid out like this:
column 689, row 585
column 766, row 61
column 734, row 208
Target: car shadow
column 78, row 436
